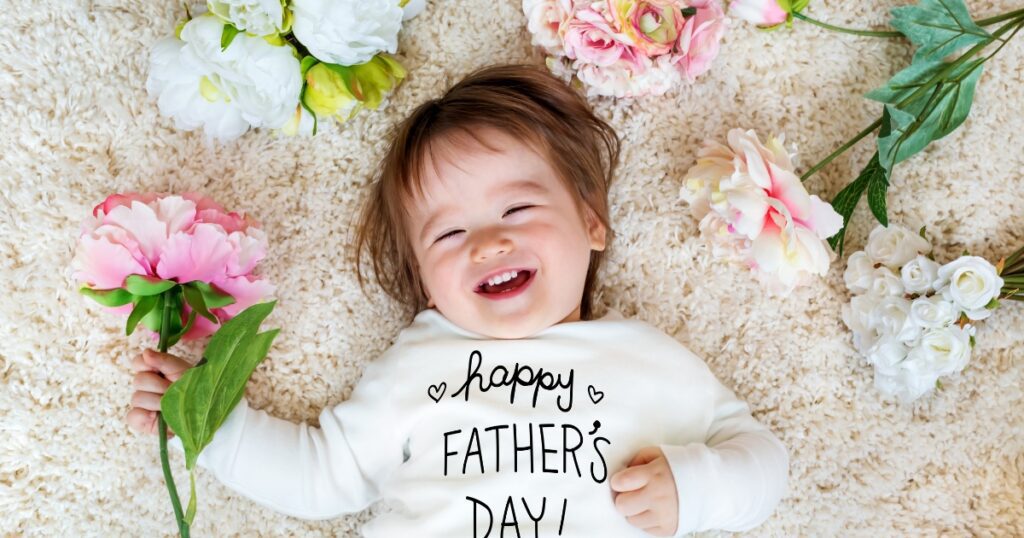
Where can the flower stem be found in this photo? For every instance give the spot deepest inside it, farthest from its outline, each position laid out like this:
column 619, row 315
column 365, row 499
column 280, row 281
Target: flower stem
column 165, row 326
column 867, row 130
column 999, row 18
column 1018, row 20
column 852, row 31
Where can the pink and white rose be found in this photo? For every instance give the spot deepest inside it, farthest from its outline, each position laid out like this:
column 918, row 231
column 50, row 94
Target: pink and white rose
column 753, row 188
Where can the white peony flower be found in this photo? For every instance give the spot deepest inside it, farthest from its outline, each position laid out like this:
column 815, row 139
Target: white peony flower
column 175, row 80
column 347, row 32
column 891, row 317
column 859, row 272
column 252, row 83
column 413, row 8
column 972, row 284
column 933, row 312
column 894, row 246
column 941, row 352
column 258, row 17
column 885, row 283
column 919, row 275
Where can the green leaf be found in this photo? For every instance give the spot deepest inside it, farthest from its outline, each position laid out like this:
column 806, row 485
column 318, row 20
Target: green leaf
column 306, row 63
column 194, row 298
column 213, row 297
column 113, row 297
column 913, row 126
column 351, row 82
column 197, row 404
column 846, row 201
column 175, row 337
column 143, row 307
column 688, row 12
column 937, row 27
column 143, row 285
column 227, row 36
column 190, row 513
column 878, row 185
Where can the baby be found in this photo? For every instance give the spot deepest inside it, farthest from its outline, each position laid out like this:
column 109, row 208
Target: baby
column 505, row 407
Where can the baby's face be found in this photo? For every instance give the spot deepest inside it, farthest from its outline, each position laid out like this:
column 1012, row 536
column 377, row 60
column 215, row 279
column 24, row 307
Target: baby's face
column 486, row 214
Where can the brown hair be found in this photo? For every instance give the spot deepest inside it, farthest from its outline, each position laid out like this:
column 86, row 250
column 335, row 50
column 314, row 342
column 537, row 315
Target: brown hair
column 521, row 100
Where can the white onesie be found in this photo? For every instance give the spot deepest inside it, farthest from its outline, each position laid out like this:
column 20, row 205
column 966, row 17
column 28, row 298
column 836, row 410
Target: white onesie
column 477, row 437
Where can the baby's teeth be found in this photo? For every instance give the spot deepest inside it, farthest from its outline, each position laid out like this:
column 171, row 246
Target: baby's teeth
column 504, row 277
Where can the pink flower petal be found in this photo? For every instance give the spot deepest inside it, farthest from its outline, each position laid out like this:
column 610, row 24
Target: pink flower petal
column 104, row 264
column 124, row 199
column 247, row 250
column 176, row 212
column 202, row 255
column 142, row 223
column 825, row 221
column 787, row 188
column 231, row 222
column 247, row 291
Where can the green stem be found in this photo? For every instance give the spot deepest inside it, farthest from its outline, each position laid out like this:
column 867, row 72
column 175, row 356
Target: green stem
column 865, row 33
column 999, row 18
column 165, row 325
column 894, row 34
column 1012, row 258
column 868, row 130
column 940, row 75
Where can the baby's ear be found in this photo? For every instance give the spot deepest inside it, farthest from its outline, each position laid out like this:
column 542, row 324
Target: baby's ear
column 596, row 230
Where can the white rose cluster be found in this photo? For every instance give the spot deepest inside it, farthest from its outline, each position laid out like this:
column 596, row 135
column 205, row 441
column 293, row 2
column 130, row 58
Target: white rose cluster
column 243, row 63
column 911, row 317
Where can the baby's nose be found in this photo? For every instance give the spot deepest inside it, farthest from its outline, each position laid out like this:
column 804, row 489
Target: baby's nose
column 490, row 246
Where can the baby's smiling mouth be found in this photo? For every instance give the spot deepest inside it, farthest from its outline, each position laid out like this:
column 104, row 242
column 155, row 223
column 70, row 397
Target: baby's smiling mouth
column 505, row 282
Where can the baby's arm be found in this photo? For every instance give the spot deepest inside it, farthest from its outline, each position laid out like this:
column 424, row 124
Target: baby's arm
column 734, row 480
column 303, row 471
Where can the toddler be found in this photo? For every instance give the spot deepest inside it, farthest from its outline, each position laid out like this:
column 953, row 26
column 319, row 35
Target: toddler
column 505, row 408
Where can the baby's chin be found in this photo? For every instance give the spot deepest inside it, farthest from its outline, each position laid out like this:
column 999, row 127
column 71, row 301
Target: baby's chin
column 507, row 326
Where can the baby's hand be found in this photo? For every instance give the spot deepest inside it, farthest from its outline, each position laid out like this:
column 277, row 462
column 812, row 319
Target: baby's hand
column 155, row 372
column 646, row 493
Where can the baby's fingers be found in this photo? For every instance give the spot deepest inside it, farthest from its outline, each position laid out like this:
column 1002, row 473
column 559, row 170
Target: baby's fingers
column 170, row 366
column 149, row 401
column 150, row 382
column 145, row 421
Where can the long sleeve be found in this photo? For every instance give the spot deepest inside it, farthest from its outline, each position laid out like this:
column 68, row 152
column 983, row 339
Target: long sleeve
column 308, row 472
column 735, row 478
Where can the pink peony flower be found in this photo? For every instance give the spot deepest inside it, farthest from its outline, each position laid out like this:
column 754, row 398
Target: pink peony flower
column 627, row 48
column 764, row 13
column 752, row 189
column 699, row 39
column 182, row 238
column 591, row 40
column 544, row 20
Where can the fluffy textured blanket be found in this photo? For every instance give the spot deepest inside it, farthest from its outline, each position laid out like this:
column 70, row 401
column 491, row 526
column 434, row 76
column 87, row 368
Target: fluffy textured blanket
column 78, row 125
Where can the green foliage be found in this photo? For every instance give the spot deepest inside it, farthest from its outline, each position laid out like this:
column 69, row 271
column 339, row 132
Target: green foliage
column 937, row 27
column 916, row 122
column 197, row 404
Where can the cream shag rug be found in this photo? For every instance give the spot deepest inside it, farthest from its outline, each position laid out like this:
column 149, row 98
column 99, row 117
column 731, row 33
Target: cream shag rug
column 77, row 125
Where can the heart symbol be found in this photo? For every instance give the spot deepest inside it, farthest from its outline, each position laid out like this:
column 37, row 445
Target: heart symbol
column 595, row 395
column 436, row 391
